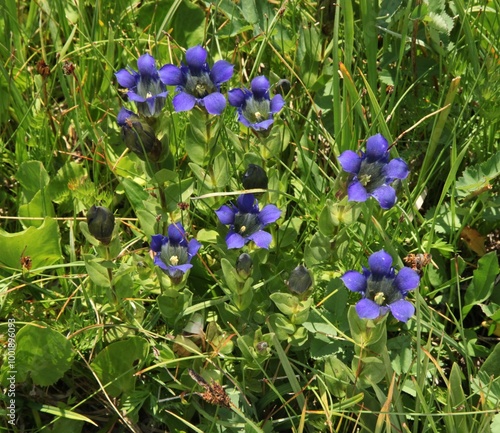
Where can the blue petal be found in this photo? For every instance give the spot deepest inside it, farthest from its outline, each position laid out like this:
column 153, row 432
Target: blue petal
column 260, row 87
column 376, row 147
column 221, row 72
column 196, row 58
column 214, row 103
column 193, row 247
column 135, row 97
column 385, row 195
column 402, row 310
column 158, row 262
column 246, row 204
column 147, row 67
column 396, row 169
column 176, row 233
column 181, row 268
column 354, row 281
column 350, row 161
column 235, row 240
column 356, row 191
column 277, row 103
column 262, row 126
column 171, row 75
column 156, row 242
column 225, row 214
column 367, row 309
column 127, row 79
column 406, row 280
column 183, row 101
column 261, row 238
column 244, row 120
column 269, row 214
column 123, row 115
column 380, row 264
column 236, row 97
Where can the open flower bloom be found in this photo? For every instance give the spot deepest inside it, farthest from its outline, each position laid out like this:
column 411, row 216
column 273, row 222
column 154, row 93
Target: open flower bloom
column 372, row 172
column 255, row 108
column 173, row 253
column 138, row 135
column 382, row 289
column 145, row 87
column 196, row 83
column 246, row 222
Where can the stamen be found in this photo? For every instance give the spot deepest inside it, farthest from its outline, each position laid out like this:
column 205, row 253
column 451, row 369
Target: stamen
column 243, row 229
column 174, row 260
column 379, row 298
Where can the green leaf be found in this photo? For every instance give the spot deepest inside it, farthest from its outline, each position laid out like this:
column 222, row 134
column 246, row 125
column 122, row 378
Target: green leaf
column 337, row 376
column 97, row 272
column 291, row 306
column 43, row 353
column 41, row 244
column 281, row 326
column 482, row 282
column 371, row 371
column 39, row 207
column 65, row 413
column 32, row 177
column 476, row 179
column 116, row 364
column 457, row 400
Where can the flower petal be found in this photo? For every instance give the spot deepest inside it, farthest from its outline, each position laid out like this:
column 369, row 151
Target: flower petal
column 181, row 268
column 260, row 87
column 176, row 233
column 402, row 310
column 236, row 97
column 235, row 240
column 246, row 204
column 123, row 115
column 147, row 66
column 385, row 195
column 406, row 280
column 277, row 103
column 354, row 281
column 261, row 238
column 196, row 58
column 221, row 72
column 356, row 191
column 380, row 264
column 350, row 161
column 367, row 309
column 215, row 103
column 156, row 242
column 396, row 169
column 171, row 75
column 183, row 101
column 135, row 97
column 193, row 247
column 269, row 214
column 262, row 126
column 376, row 147
column 127, row 79
column 158, row 262
column 226, row 214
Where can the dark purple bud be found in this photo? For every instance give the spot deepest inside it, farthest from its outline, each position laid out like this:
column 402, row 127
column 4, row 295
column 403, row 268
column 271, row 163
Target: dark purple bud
column 254, row 177
column 101, row 223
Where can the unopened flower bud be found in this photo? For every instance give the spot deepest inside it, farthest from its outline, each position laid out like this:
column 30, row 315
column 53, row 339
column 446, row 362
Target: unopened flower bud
column 139, row 136
column 101, row 223
column 244, row 265
column 254, row 177
column 300, row 280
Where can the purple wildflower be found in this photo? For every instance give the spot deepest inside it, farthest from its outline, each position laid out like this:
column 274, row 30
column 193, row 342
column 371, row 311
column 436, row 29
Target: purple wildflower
column 246, row 221
column 196, row 83
column 173, row 253
column 145, row 87
column 372, row 172
column 382, row 289
column 255, row 108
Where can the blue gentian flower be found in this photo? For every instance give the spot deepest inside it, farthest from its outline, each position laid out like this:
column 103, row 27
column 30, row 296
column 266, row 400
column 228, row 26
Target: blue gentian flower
column 196, row 83
column 145, row 87
column 255, row 108
column 372, row 172
column 139, row 136
column 382, row 289
column 246, row 222
column 173, row 253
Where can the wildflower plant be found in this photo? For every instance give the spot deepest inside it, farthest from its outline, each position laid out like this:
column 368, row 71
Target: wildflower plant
column 372, row 172
column 256, row 109
column 382, row 289
column 146, row 88
column 196, row 83
column 246, row 222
